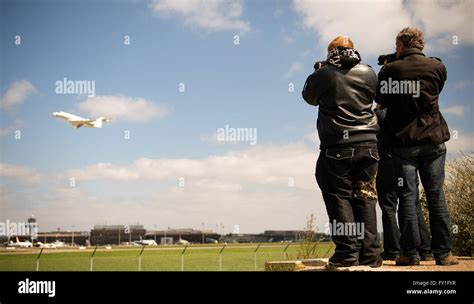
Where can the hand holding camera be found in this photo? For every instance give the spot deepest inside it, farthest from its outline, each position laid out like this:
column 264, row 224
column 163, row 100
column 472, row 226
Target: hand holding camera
column 319, row 64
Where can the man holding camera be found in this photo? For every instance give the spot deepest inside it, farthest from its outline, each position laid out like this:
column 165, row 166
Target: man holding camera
column 344, row 89
column 415, row 132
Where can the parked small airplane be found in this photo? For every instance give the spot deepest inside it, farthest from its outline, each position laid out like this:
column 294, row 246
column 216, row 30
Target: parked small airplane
column 78, row 122
column 145, row 243
column 149, row 242
column 211, row 241
column 182, row 242
column 25, row 244
column 56, row 244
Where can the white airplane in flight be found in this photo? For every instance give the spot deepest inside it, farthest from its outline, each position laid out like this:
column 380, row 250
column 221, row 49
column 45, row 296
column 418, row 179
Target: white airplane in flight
column 78, row 122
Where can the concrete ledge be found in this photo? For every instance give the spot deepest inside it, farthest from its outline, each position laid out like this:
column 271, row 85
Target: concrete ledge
column 465, row 264
column 315, row 262
column 284, row 266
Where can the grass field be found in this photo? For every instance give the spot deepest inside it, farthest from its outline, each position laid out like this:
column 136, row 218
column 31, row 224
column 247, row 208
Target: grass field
column 235, row 257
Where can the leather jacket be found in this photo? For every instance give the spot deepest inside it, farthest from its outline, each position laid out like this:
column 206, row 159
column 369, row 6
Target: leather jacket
column 344, row 97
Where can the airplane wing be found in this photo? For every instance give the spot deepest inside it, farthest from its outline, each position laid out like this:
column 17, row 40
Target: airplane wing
column 80, row 123
column 69, row 117
column 76, row 121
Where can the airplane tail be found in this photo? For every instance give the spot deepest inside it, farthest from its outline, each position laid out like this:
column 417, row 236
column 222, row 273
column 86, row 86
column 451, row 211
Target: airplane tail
column 17, row 240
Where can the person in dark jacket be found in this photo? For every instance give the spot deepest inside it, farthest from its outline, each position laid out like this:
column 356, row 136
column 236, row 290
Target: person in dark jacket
column 344, row 89
column 416, row 131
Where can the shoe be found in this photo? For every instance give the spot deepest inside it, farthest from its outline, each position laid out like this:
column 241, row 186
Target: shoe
column 373, row 263
column 447, row 261
column 403, row 260
column 342, row 264
column 427, row 257
column 377, row 264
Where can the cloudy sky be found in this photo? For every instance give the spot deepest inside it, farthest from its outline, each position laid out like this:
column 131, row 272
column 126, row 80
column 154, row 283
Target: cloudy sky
column 170, row 74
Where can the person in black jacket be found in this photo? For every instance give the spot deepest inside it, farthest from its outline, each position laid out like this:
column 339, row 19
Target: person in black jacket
column 415, row 131
column 344, row 89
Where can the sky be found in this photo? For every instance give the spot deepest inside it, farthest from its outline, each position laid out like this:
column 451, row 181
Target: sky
column 170, row 74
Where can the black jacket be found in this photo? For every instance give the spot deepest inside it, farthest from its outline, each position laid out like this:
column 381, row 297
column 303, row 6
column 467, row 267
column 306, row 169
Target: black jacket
column 345, row 99
column 413, row 120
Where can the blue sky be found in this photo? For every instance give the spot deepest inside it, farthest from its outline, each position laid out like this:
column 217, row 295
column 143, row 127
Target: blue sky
column 243, row 86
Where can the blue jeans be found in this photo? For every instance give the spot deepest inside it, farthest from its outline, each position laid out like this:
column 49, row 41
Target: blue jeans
column 388, row 201
column 429, row 161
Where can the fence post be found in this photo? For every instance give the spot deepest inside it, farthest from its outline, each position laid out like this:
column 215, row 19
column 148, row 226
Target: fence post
column 92, row 259
column 38, row 260
column 255, row 258
column 140, row 259
column 284, row 251
column 182, row 257
column 220, row 257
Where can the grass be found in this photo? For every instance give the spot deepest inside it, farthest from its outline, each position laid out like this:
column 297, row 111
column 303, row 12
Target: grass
column 238, row 257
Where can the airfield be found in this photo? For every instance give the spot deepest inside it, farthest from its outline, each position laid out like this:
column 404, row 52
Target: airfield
column 195, row 257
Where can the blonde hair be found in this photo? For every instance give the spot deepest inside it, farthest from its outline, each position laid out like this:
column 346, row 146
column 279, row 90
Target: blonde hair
column 344, row 41
column 411, row 38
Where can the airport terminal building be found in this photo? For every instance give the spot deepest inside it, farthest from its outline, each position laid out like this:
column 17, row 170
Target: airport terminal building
column 116, row 234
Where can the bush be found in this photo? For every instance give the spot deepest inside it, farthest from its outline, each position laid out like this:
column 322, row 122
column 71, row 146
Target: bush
column 459, row 190
column 309, row 247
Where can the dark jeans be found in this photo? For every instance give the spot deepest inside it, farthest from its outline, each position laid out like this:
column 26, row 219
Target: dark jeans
column 429, row 161
column 346, row 178
column 388, row 201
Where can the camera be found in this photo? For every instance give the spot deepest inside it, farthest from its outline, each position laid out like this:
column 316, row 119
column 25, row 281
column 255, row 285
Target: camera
column 319, row 64
column 387, row 58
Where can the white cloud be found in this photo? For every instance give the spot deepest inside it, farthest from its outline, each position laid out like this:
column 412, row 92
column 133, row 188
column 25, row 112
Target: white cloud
column 262, row 165
column 441, row 20
column 187, row 207
column 294, row 68
column 17, row 125
column 454, row 110
column 16, row 93
column 313, row 138
column 462, row 84
column 460, row 142
column 249, row 187
column 213, row 138
column 20, row 173
column 214, row 15
column 373, row 25
column 123, row 108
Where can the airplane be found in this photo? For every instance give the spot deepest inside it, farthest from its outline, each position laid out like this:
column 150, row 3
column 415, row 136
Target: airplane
column 25, row 244
column 182, row 242
column 149, row 242
column 211, row 241
column 145, row 242
column 56, row 244
column 42, row 245
column 78, row 122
